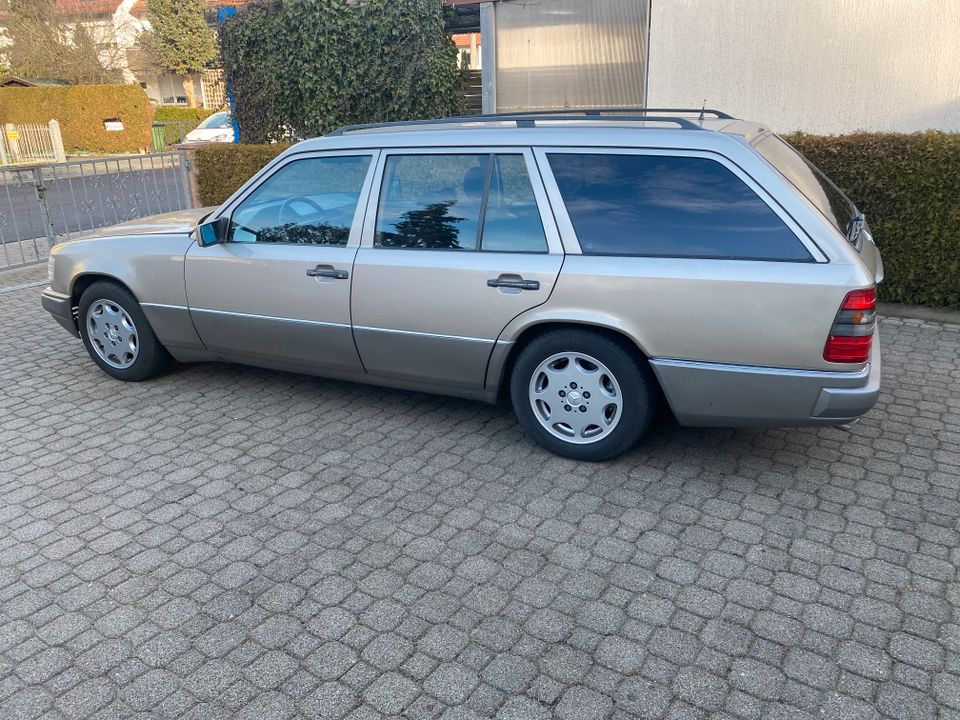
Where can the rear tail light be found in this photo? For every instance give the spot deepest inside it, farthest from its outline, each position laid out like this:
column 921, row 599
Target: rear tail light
column 851, row 336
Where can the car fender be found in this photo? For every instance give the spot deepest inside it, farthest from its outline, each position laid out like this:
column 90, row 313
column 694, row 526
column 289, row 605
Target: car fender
column 546, row 315
column 151, row 266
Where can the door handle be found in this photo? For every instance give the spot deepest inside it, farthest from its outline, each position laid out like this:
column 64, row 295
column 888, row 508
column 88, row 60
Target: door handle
column 328, row 273
column 514, row 284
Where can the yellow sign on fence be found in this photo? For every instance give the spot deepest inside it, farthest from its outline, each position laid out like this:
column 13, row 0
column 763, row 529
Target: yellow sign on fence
column 13, row 135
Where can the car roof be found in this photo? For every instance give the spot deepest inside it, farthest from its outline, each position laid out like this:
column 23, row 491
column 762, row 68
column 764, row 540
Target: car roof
column 495, row 131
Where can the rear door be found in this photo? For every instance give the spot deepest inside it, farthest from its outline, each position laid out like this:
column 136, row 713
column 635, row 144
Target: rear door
column 456, row 243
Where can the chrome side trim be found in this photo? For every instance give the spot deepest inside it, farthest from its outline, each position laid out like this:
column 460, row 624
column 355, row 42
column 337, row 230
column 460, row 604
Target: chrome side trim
column 330, row 324
column 841, row 375
column 163, row 305
column 426, row 335
column 269, row 317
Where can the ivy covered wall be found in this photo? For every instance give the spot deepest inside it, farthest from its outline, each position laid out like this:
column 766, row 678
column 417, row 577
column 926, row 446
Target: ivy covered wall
column 301, row 68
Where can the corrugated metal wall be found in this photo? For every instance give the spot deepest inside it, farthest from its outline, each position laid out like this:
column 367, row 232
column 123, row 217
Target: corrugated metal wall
column 570, row 53
column 821, row 66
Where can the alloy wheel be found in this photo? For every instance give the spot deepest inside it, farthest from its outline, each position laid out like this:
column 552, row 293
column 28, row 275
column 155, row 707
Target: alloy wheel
column 575, row 397
column 112, row 334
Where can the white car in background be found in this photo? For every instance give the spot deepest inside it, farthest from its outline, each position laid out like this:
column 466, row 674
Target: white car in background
column 216, row 128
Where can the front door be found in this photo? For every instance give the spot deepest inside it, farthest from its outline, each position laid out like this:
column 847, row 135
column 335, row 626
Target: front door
column 455, row 246
column 277, row 292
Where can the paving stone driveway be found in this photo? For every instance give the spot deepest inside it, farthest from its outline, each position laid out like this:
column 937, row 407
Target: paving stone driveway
column 230, row 542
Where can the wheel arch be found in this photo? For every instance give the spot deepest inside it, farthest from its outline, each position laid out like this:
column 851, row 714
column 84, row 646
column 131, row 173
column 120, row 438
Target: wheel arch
column 81, row 282
column 499, row 375
column 84, row 280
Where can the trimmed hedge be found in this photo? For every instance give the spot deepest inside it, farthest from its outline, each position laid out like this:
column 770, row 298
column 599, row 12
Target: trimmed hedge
column 300, row 68
column 907, row 185
column 81, row 110
column 186, row 119
column 224, row 167
column 165, row 113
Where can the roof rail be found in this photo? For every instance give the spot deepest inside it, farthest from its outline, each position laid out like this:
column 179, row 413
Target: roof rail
column 719, row 114
column 523, row 120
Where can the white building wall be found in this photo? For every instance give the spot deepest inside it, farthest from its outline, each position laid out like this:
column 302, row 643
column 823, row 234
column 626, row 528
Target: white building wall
column 821, row 66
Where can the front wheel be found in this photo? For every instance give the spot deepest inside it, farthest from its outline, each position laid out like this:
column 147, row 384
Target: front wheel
column 582, row 394
column 117, row 335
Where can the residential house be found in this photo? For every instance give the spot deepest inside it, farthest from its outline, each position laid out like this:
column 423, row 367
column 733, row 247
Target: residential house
column 115, row 26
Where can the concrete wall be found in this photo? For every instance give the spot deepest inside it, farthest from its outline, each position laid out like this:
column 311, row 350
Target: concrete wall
column 821, row 66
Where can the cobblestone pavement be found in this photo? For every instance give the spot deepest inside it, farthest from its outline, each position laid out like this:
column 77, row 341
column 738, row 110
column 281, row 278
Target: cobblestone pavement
column 231, row 542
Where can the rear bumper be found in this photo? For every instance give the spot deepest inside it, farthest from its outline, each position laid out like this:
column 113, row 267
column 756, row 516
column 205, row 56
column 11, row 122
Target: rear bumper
column 59, row 305
column 714, row 394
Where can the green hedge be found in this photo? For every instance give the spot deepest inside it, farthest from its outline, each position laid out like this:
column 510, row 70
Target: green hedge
column 908, row 186
column 163, row 113
column 223, row 167
column 300, row 68
column 81, row 110
column 179, row 121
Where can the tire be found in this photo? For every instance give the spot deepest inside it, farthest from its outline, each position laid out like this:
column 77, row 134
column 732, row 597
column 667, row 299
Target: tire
column 582, row 394
column 117, row 335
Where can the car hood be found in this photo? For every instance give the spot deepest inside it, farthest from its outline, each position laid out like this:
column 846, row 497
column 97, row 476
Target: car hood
column 180, row 222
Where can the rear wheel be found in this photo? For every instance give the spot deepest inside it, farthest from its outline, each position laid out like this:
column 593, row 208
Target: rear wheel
column 582, row 394
column 117, row 335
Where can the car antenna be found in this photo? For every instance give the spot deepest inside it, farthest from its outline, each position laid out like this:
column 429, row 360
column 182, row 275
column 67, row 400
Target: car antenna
column 702, row 110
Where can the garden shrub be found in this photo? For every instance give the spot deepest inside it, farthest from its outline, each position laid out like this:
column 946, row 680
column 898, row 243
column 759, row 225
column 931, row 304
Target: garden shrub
column 178, row 121
column 303, row 67
column 168, row 113
column 81, row 111
column 224, row 167
column 908, row 186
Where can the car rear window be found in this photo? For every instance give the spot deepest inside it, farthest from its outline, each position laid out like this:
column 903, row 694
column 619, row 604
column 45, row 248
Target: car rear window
column 809, row 180
column 669, row 206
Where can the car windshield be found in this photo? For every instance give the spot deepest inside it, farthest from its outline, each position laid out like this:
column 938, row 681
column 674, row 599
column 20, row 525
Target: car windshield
column 217, row 121
column 810, row 181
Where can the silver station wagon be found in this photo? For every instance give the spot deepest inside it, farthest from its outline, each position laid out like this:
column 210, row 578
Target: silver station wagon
column 585, row 266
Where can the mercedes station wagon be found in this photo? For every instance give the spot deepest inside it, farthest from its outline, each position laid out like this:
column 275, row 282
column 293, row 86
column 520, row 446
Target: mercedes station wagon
column 584, row 265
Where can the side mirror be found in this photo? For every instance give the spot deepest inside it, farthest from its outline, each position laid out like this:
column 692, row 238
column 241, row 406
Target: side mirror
column 213, row 232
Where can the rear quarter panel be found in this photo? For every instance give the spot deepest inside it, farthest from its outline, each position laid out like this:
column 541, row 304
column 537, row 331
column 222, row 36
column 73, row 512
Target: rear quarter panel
column 743, row 312
column 726, row 311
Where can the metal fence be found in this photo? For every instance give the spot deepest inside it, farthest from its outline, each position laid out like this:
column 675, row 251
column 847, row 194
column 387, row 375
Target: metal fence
column 46, row 204
column 31, row 143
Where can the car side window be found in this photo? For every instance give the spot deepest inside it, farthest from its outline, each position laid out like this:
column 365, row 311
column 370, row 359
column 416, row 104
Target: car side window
column 511, row 221
column 669, row 206
column 431, row 201
column 458, row 202
column 306, row 202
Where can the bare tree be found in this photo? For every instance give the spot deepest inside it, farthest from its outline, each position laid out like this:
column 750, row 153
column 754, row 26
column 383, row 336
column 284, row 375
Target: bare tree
column 79, row 49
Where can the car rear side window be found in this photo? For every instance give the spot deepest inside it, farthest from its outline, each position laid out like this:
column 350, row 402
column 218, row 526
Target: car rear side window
column 458, row 202
column 810, row 181
column 669, row 206
column 511, row 221
column 305, row 202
